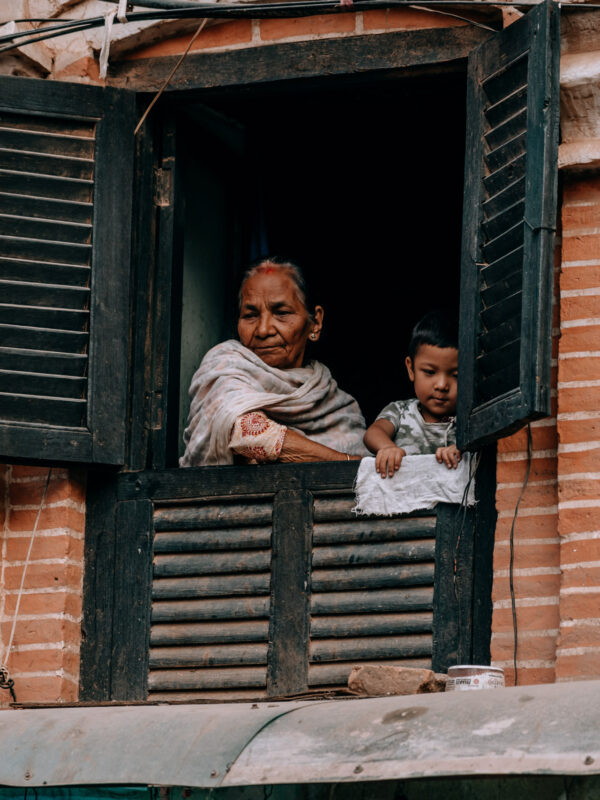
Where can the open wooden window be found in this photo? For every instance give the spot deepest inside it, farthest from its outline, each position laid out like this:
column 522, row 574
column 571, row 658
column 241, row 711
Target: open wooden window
column 66, row 158
column 509, row 219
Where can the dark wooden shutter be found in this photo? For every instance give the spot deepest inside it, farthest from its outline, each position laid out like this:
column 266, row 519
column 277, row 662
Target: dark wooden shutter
column 509, row 219
column 211, row 598
column 371, row 590
column 66, row 158
column 246, row 582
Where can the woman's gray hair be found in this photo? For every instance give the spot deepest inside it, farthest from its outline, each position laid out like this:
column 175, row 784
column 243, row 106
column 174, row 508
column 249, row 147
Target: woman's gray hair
column 293, row 270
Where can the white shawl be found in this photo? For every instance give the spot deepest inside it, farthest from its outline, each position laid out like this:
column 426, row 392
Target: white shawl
column 232, row 380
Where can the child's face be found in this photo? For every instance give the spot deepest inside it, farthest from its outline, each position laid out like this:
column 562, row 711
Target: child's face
column 434, row 373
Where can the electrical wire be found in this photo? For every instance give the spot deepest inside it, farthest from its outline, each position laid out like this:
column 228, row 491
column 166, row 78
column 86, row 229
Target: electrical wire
column 299, row 8
column 6, row 682
column 513, row 602
column 170, row 75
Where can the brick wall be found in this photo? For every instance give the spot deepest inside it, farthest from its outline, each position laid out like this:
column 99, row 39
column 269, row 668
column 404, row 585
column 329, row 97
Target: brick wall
column 557, row 540
column 44, row 659
column 578, row 654
column 536, row 574
column 246, row 33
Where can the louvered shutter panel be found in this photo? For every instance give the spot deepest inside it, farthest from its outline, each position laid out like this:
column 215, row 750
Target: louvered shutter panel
column 508, row 226
column 66, row 158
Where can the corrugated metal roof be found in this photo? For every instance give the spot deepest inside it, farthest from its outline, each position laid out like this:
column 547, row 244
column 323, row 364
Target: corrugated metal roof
column 552, row 729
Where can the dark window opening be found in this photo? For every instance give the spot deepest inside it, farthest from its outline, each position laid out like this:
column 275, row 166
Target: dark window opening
column 361, row 184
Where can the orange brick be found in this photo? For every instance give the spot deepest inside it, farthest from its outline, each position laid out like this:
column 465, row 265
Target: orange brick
column 580, row 307
column 40, row 690
column 579, row 490
column 580, row 606
column 542, row 527
column 528, row 556
column 543, row 438
column 50, row 518
column 43, row 631
column 586, row 368
column 529, row 676
column 535, row 495
column 575, row 216
column 44, row 661
column 581, row 189
column 579, row 461
column 541, row 469
column 581, row 248
column 406, row 19
column 583, row 667
column 580, row 277
column 580, row 636
column 307, row 26
column 62, row 546
column 43, row 576
column 579, row 430
column 527, row 586
column 25, row 494
column 45, row 603
column 222, row 34
column 535, row 648
column 585, row 398
column 577, row 520
column 580, row 550
column 584, row 337
column 529, row 618
column 582, row 577
column 22, row 471
column 70, row 692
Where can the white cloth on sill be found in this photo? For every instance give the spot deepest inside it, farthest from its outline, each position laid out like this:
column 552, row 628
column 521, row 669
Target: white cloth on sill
column 420, row 483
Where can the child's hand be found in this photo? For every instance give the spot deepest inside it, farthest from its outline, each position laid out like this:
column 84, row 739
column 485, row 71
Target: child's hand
column 388, row 460
column 450, row 456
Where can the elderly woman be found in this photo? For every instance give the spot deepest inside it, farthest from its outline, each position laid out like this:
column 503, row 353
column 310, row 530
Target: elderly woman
column 258, row 398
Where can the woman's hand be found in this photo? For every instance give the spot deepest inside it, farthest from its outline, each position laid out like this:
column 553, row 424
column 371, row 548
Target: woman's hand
column 388, row 460
column 450, row 456
column 297, row 448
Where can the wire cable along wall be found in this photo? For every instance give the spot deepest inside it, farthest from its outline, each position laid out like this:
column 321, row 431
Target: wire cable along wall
column 181, row 9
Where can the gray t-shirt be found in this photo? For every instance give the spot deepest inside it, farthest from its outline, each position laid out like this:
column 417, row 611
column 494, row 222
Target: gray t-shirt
column 412, row 433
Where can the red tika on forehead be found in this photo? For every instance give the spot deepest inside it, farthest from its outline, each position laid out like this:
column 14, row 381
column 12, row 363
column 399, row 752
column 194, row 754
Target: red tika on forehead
column 267, row 270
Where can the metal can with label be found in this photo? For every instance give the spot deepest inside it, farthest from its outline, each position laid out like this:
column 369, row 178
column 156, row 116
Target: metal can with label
column 467, row 677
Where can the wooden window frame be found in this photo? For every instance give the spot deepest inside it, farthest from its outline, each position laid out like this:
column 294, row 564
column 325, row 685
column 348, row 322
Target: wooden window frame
column 118, row 537
column 154, row 371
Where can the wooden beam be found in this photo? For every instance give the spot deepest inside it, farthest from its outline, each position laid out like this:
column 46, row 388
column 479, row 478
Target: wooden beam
column 317, row 58
column 289, row 629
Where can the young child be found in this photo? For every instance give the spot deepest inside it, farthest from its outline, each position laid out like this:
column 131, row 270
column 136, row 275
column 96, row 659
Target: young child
column 425, row 424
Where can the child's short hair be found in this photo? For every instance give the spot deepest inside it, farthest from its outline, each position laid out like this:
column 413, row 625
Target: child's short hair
column 438, row 328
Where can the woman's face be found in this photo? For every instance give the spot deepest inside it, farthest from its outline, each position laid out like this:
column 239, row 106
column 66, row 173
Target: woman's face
column 273, row 323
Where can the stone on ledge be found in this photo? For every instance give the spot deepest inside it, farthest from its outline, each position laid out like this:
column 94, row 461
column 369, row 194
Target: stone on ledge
column 374, row 680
